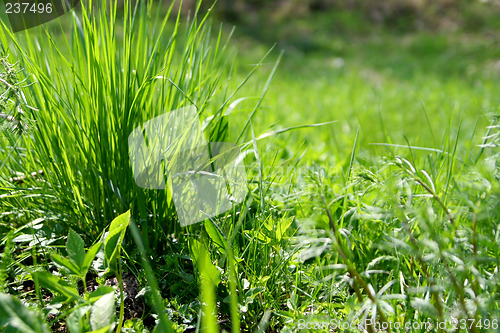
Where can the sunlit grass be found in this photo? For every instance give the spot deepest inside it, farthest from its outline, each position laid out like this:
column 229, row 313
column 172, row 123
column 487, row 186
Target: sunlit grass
column 388, row 210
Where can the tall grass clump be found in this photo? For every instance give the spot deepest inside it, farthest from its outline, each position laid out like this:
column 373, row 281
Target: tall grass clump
column 13, row 126
column 94, row 80
column 88, row 87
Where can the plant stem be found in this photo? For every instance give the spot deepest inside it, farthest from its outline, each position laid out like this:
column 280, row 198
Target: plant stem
column 122, row 305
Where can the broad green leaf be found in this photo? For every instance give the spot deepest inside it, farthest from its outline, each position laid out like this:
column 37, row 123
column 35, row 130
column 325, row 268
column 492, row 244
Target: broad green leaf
column 282, row 227
column 215, row 234
column 24, row 238
column 134, row 325
column 75, row 319
column 36, row 225
column 99, row 292
column 258, row 234
column 89, row 257
column 18, row 318
column 208, row 285
column 113, row 241
column 194, row 249
column 197, row 250
column 76, row 248
column 103, row 312
column 65, row 262
column 160, row 328
column 54, row 283
column 254, row 291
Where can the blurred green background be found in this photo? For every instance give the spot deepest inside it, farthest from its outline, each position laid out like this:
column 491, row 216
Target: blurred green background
column 408, row 72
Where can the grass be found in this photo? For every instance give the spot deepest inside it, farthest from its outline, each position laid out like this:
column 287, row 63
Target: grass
column 398, row 85
column 384, row 209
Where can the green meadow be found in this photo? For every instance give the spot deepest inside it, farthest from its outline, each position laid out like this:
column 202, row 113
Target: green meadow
column 371, row 193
